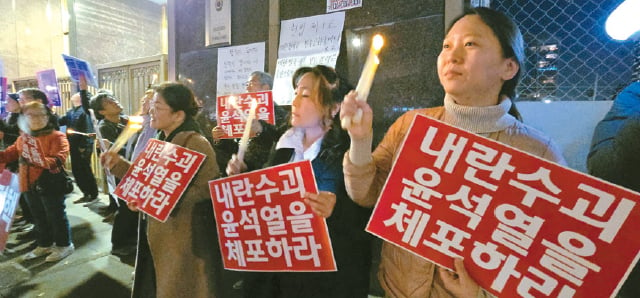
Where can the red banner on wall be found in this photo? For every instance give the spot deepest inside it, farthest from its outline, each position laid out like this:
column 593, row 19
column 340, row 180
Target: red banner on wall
column 9, row 196
column 233, row 110
column 158, row 177
column 264, row 224
column 525, row 226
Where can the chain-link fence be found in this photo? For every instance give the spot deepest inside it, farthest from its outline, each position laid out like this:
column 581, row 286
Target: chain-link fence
column 569, row 54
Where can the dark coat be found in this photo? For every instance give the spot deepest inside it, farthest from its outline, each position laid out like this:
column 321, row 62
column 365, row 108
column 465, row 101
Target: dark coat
column 614, row 156
column 351, row 244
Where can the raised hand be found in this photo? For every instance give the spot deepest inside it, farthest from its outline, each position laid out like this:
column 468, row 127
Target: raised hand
column 349, row 108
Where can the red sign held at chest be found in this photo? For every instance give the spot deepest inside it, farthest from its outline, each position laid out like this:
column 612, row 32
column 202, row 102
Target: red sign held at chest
column 525, row 226
column 158, row 177
column 264, row 224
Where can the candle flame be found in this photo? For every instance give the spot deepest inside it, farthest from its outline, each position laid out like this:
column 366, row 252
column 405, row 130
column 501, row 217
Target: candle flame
column 378, row 42
column 233, row 102
column 135, row 120
column 133, row 126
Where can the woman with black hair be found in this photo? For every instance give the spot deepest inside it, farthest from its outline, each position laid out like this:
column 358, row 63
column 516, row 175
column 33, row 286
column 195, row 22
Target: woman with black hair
column 315, row 135
column 479, row 67
column 184, row 248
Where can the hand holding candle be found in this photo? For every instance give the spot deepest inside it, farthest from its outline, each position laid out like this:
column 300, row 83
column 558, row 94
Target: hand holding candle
column 244, row 141
column 133, row 126
column 366, row 78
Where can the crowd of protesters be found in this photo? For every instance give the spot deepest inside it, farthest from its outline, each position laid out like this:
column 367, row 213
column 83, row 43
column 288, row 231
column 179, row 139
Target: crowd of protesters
column 479, row 67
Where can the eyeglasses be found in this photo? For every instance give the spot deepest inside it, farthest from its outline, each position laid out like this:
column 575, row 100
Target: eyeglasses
column 251, row 84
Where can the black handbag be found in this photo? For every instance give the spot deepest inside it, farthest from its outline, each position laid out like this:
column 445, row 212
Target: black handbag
column 54, row 183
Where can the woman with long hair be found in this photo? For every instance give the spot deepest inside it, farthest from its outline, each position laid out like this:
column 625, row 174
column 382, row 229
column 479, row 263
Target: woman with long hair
column 315, row 134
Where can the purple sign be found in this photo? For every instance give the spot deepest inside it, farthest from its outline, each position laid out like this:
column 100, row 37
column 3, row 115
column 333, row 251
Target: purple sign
column 3, row 95
column 48, row 83
column 79, row 67
column 3, row 89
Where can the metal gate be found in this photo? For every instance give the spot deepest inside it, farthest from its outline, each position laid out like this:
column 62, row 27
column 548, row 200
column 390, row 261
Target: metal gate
column 128, row 80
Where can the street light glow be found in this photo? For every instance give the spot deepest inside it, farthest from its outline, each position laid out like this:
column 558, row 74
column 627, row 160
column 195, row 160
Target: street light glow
column 624, row 22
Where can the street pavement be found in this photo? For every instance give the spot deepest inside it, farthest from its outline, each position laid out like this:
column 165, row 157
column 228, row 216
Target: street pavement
column 91, row 271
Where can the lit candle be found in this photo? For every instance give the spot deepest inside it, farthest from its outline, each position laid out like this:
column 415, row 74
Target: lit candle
column 71, row 131
column 244, row 141
column 366, row 79
column 133, row 126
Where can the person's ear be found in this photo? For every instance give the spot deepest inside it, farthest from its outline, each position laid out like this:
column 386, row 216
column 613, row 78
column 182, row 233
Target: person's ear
column 511, row 68
column 180, row 116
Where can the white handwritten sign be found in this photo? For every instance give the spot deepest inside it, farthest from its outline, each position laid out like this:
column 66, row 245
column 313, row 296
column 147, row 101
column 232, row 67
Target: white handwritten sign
column 305, row 42
column 235, row 64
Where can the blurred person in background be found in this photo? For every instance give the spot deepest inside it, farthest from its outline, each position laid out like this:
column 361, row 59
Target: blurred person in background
column 78, row 120
column 51, row 222
column 108, row 111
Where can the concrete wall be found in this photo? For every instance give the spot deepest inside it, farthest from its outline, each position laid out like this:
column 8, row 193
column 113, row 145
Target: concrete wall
column 31, row 38
column 116, row 30
column 33, row 35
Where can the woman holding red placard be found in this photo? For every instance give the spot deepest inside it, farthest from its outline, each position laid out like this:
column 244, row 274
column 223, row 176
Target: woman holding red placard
column 479, row 67
column 315, row 134
column 184, row 248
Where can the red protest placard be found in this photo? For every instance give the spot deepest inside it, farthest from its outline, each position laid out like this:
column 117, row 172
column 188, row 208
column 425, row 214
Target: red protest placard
column 233, row 110
column 9, row 196
column 525, row 226
column 264, row 225
column 32, row 150
column 158, row 177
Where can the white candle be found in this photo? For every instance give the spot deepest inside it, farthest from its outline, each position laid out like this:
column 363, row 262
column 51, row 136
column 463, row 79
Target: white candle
column 244, row 141
column 366, row 79
column 133, row 126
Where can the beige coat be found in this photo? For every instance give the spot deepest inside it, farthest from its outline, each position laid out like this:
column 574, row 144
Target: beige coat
column 401, row 273
column 185, row 247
